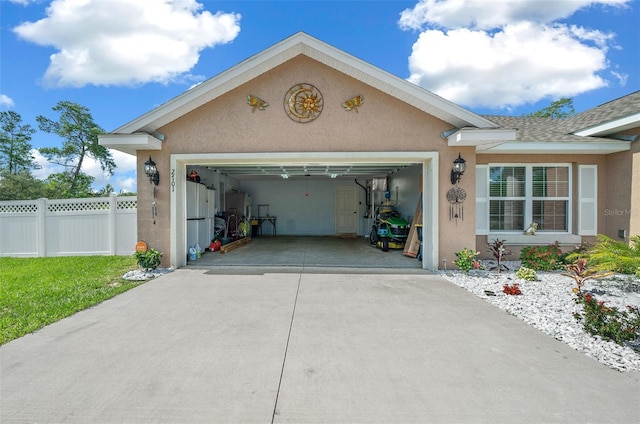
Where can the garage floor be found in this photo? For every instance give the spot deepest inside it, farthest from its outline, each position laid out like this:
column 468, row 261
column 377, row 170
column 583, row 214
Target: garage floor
column 310, row 252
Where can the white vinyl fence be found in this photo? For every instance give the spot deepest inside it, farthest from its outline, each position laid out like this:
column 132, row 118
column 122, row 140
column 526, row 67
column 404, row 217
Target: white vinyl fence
column 69, row 227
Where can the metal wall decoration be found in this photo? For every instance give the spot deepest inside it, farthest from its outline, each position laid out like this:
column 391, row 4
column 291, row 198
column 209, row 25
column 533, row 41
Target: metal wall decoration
column 303, row 103
column 256, row 103
column 353, row 103
column 456, row 196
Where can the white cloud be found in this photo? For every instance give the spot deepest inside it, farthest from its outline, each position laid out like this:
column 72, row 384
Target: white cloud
column 622, row 78
column 46, row 168
column 483, row 14
column 124, row 177
column 123, row 42
column 6, row 101
column 503, row 54
column 124, row 184
column 524, row 63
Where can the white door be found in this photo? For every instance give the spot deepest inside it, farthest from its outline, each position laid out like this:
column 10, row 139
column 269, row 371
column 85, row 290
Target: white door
column 347, row 210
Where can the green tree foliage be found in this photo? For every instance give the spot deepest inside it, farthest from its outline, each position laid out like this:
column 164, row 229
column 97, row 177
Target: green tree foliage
column 63, row 186
column 80, row 134
column 15, row 149
column 613, row 255
column 561, row 108
column 21, row 186
column 106, row 191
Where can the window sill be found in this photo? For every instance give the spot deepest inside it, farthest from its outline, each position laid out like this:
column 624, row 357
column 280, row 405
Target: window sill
column 539, row 239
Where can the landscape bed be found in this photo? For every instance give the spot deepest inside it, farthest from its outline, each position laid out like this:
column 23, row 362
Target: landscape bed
column 549, row 304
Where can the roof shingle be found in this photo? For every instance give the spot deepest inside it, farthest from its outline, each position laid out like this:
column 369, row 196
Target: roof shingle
column 532, row 128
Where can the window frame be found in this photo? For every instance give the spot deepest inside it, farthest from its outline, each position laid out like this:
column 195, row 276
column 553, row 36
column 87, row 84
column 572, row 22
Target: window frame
column 529, row 198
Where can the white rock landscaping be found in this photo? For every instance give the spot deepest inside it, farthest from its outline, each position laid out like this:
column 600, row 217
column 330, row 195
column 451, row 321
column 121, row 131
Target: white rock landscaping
column 143, row 275
column 548, row 304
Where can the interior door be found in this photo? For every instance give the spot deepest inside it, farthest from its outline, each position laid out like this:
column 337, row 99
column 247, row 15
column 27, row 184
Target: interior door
column 346, row 210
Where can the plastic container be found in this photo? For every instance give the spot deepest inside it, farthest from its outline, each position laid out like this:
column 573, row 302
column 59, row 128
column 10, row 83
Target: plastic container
column 192, row 253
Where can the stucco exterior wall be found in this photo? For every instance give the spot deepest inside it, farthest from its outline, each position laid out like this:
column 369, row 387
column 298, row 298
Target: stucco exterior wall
column 622, row 208
column 634, row 218
column 383, row 123
column 229, row 125
column 456, row 234
column 616, row 210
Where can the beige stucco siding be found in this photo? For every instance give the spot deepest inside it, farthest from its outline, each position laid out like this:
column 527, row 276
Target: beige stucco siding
column 383, row 123
column 228, row 124
column 634, row 209
column 456, row 234
column 622, row 207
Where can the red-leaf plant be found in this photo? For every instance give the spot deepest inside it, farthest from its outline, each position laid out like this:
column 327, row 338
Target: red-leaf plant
column 581, row 273
column 511, row 290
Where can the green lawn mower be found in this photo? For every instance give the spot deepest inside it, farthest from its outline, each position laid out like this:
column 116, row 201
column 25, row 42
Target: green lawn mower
column 390, row 230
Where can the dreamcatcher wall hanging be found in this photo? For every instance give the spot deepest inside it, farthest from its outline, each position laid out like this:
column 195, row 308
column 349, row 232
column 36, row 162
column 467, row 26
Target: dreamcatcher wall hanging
column 456, row 197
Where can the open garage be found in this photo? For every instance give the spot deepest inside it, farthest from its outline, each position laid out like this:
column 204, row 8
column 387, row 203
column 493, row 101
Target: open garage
column 328, row 207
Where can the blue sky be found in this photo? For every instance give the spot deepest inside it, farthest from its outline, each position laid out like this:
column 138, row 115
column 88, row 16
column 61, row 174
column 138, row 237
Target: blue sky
column 122, row 58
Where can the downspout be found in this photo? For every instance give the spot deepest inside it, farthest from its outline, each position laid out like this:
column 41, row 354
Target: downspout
column 367, row 199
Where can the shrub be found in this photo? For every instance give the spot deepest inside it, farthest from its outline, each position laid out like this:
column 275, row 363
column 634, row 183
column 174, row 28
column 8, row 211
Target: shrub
column 467, row 259
column 581, row 273
column 579, row 251
column 149, row 259
column 527, row 274
column 511, row 290
column 499, row 252
column 607, row 322
column 613, row 255
column 542, row 258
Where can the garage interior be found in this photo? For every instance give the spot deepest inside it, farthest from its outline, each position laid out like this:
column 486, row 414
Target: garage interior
column 291, row 213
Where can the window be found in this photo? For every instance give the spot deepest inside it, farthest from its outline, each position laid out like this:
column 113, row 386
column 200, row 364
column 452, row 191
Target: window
column 520, row 194
column 550, row 197
column 506, row 198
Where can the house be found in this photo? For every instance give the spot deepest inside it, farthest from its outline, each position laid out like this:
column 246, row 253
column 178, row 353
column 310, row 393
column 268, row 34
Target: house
column 307, row 130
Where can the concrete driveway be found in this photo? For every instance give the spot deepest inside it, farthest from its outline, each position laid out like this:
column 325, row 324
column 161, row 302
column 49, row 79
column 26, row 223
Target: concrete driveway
column 196, row 347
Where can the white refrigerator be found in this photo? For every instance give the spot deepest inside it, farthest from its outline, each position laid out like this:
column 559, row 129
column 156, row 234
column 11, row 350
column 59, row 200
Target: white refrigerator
column 200, row 211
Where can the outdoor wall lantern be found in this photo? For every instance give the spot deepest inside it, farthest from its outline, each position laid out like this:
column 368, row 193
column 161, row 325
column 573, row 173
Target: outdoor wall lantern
column 459, row 167
column 152, row 172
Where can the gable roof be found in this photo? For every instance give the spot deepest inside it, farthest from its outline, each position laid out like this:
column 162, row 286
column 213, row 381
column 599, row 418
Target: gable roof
column 303, row 44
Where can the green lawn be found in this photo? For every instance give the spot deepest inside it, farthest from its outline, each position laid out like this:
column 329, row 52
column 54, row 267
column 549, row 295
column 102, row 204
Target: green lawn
column 35, row 292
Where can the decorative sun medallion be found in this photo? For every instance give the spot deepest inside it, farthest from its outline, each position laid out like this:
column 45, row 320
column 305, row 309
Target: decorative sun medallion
column 303, row 103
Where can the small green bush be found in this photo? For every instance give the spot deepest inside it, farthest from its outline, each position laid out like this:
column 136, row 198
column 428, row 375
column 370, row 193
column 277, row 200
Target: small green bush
column 613, row 255
column 527, row 274
column 607, row 322
column 467, row 259
column 542, row 258
column 149, row 259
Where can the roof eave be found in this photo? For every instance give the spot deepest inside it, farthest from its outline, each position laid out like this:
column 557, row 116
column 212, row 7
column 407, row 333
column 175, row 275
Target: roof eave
column 611, row 127
column 480, row 136
column 130, row 143
column 556, row 147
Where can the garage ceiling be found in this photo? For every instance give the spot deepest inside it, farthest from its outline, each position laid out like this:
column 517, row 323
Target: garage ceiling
column 314, row 170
